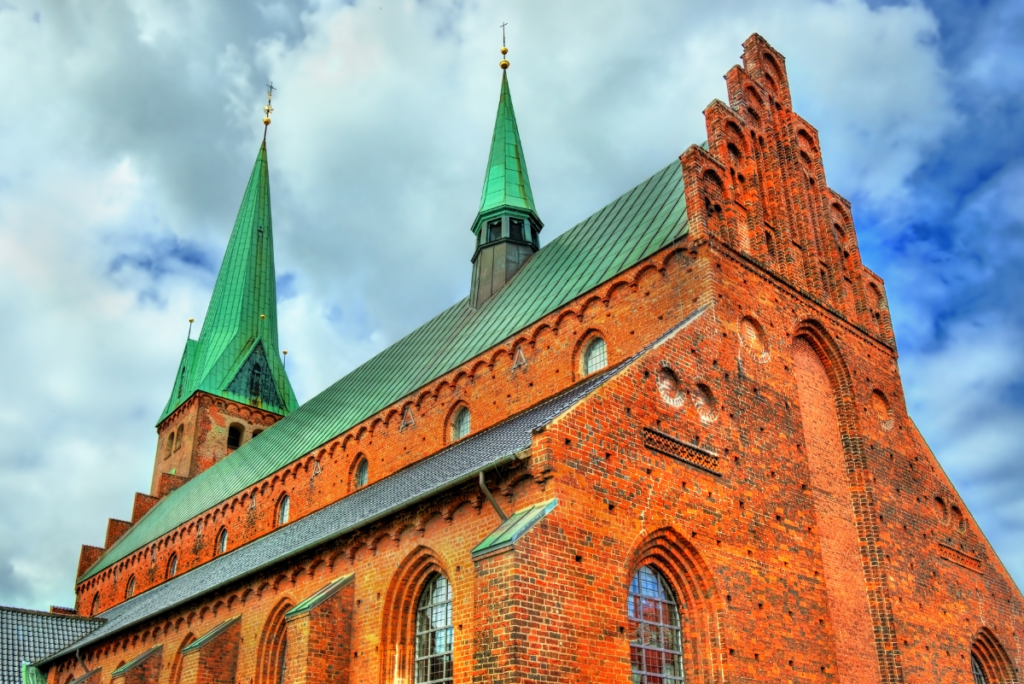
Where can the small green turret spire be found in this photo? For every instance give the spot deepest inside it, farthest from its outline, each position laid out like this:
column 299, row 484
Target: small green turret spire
column 507, row 227
column 237, row 353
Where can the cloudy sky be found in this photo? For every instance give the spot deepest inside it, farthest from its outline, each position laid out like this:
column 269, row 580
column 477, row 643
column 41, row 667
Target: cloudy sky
column 129, row 128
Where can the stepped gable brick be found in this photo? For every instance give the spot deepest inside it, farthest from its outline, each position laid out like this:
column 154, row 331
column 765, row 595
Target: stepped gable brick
column 142, row 504
column 168, row 483
column 115, row 529
column 88, row 556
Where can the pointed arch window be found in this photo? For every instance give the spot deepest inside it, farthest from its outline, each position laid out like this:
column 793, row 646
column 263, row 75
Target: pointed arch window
column 362, row 473
column 460, row 424
column 656, row 643
column 130, row 589
column 434, row 633
column 595, row 356
column 222, row 541
column 95, row 604
column 976, row 671
column 172, row 566
column 170, row 443
column 178, row 439
column 284, row 510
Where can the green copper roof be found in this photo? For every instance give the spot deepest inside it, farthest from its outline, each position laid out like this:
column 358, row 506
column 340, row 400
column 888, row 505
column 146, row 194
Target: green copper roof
column 211, row 635
column 320, row 596
column 506, row 184
column 518, row 524
column 644, row 220
column 135, row 662
column 237, row 354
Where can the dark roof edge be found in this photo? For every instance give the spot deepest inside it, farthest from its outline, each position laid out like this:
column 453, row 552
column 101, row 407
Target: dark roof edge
column 46, row 613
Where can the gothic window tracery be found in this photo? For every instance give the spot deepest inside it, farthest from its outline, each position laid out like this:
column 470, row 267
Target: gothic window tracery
column 656, row 642
column 362, row 473
column 434, row 633
column 460, row 424
column 222, row 541
column 284, row 510
column 595, row 356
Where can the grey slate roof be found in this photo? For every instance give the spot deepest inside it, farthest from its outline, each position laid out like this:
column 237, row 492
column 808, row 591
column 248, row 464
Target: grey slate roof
column 28, row 635
column 454, row 465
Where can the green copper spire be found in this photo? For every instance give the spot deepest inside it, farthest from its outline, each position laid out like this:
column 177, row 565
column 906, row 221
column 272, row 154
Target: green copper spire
column 237, row 354
column 507, row 184
column 507, row 227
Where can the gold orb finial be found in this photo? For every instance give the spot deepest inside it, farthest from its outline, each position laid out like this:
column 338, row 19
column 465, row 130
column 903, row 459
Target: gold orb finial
column 285, row 352
column 191, row 320
column 268, row 109
column 263, row 316
column 504, row 50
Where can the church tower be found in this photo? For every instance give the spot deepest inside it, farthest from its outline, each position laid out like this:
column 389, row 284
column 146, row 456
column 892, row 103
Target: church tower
column 231, row 383
column 507, row 228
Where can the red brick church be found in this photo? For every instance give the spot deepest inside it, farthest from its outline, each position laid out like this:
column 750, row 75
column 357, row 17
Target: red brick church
column 671, row 445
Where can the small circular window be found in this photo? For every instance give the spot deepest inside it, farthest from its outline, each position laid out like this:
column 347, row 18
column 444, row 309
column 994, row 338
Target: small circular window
column 460, row 424
column 595, row 356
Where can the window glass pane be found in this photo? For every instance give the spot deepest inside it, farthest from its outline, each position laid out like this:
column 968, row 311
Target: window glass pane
column 284, row 510
column 494, row 230
column 434, row 633
column 655, row 651
column 979, row 674
column 460, row 426
column 362, row 472
column 595, row 357
column 515, row 228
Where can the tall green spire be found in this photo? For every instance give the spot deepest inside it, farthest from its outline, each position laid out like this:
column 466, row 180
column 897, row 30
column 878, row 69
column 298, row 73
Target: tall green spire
column 507, row 184
column 507, row 227
column 237, row 354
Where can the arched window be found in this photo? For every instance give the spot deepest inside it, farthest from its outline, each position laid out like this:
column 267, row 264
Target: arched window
column 595, row 356
column 363, row 472
column 979, row 674
column 272, row 651
column 434, row 633
column 177, row 440
column 234, row 436
column 283, row 510
column 170, row 443
column 172, row 566
column 95, row 604
column 130, row 589
column 656, row 645
column 460, row 424
column 222, row 540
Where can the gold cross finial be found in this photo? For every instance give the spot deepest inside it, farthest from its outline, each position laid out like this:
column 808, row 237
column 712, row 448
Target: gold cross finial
column 267, row 109
column 504, row 50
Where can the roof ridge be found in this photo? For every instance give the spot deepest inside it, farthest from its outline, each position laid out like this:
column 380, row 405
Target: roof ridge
column 46, row 613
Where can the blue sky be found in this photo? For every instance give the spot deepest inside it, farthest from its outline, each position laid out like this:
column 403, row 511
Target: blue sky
column 130, row 128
